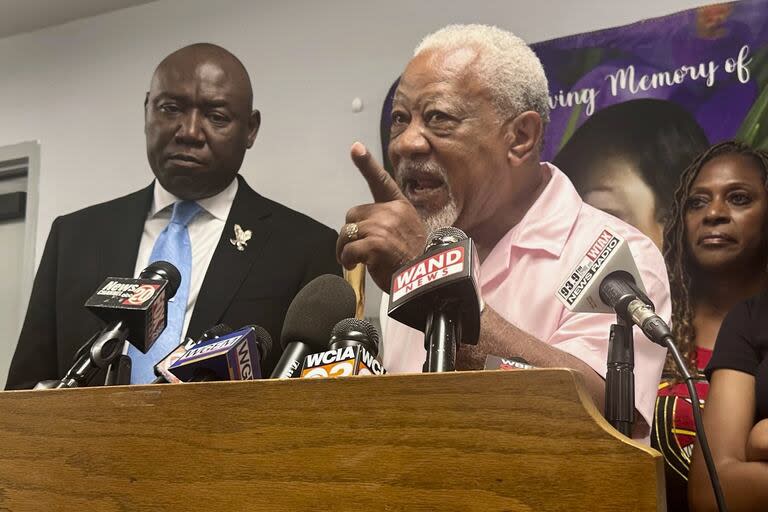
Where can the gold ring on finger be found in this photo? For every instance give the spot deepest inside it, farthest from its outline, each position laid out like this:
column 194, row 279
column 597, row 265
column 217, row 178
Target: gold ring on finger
column 351, row 230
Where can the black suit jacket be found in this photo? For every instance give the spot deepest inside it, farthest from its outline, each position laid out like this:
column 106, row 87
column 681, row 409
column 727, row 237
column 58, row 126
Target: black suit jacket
column 254, row 286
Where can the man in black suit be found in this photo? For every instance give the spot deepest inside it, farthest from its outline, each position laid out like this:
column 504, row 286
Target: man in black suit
column 198, row 123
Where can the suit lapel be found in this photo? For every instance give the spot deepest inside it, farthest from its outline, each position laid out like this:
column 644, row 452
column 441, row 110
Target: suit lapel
column 229, row 267
column 119, row 246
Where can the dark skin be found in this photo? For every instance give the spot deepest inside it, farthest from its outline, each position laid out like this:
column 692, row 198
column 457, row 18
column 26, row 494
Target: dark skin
column 443, row 116
column 725, row 223
column 737, row 445
column 198, row 120
column 725, row 226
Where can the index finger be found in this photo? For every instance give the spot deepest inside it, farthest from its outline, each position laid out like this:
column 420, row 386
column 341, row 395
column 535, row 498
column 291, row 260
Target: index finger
column 383, row 187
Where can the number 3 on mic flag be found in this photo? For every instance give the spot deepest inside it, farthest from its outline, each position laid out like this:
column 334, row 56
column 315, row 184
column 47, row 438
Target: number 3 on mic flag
column 341, row 362
column 341, row 369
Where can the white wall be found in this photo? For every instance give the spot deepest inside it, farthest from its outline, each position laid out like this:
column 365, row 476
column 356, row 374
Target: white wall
column 79, row 87
column 11, row 256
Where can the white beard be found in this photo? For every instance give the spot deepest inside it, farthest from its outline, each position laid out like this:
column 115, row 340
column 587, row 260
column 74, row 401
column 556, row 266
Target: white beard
column 442, row 219
column 449, row 213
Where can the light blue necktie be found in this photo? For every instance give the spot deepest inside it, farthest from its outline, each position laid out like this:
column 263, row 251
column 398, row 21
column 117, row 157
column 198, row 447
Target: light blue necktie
column 172, row 245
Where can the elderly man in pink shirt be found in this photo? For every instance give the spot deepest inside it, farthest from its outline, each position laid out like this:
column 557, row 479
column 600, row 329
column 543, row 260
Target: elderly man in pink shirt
column 467, row 123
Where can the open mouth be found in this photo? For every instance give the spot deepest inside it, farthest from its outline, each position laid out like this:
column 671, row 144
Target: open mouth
column 424, row 187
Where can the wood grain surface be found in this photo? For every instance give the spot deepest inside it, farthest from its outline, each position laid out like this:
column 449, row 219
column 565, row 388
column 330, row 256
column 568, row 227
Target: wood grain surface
column 500, row 441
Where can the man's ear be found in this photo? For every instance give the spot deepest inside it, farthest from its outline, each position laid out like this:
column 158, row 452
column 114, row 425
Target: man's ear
column 254, row 122
column 523, row 136
column 146, row 104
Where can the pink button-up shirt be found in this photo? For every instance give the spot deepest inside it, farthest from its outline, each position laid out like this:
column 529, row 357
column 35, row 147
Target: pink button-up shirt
column 521, row 274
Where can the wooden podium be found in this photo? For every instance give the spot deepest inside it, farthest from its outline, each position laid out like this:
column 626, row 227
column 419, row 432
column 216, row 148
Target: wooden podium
column 503, row 441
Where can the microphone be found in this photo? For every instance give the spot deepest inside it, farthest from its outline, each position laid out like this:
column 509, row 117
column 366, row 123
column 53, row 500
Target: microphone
column 161, row 368
column 620, row 292
column 233, row 356
column 140, row 305
column 310, row 318
column 353, row 348
column 606, row 281
column 438, row 294
column 580, row 292
column 131, row 307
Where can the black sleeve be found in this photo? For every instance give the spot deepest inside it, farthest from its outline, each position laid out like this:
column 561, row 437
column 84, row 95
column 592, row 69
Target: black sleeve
column 35, row 356
column 321, row 256
column 736, row 346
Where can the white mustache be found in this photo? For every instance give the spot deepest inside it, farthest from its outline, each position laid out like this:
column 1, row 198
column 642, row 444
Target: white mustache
column 408, row 167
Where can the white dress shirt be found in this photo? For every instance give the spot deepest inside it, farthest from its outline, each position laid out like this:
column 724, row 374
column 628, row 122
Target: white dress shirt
column 204, row 234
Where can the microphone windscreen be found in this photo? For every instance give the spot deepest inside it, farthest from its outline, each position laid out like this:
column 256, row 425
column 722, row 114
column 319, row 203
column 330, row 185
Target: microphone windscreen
column 616, row 289
column 316, row 309
column 263, row 341
column 163, row 270
column 215, row 332
column 446, row 235
column 355, row 325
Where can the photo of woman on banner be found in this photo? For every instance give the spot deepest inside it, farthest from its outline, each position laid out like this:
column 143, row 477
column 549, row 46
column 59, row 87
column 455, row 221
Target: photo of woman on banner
column 716, row 250
column 627, row 159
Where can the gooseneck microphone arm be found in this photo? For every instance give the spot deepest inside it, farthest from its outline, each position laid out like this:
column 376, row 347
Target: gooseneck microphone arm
column 657, row 330
column 701, row 436
column 105, row 348
column 631, row 304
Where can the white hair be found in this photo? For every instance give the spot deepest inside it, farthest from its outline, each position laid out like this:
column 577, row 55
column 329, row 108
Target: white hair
column 511, row 71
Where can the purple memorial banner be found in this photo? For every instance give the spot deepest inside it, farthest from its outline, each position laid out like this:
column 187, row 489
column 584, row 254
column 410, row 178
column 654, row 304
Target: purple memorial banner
column 712, row 61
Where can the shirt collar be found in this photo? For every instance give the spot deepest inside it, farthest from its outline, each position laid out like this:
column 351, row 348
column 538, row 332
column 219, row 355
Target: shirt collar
column 549, row 220
column 545, row 226
column 217, row 206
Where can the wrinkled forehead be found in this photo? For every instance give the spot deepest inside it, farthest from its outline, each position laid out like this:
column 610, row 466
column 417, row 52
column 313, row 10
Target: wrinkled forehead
column 451, row 71
column 172, row 76
column 452, row 61
column 201, row 78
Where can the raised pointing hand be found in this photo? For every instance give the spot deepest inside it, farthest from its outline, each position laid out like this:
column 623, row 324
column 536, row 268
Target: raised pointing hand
column 385, row 234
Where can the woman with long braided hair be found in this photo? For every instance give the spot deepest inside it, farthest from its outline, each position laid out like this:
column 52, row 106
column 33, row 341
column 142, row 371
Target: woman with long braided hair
column 716, row 250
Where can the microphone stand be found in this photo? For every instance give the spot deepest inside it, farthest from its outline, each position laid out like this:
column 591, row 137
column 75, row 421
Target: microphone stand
column 440, row 339
column 119, row 371
column 102, row 350
column 620, row 378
